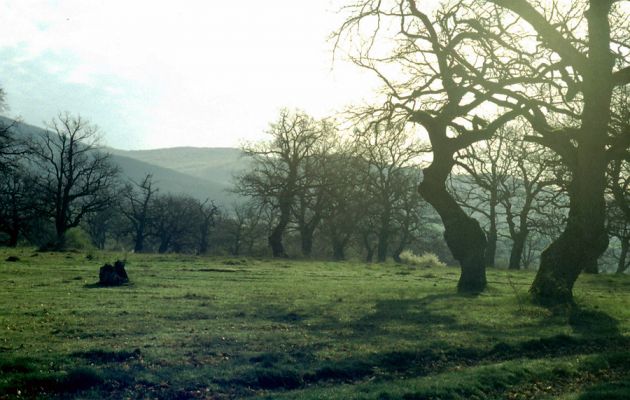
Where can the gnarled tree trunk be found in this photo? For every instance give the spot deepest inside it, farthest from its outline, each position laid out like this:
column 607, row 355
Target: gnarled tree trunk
column 585, row 238
column 518, row 246
column 463, row 235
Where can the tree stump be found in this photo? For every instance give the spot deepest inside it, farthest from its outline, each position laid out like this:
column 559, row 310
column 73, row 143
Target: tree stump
column 113, row 275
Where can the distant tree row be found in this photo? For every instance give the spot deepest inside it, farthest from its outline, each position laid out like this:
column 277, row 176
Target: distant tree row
column 62, row 180
column 324, row 193
column 356, row 192
column 360, row 189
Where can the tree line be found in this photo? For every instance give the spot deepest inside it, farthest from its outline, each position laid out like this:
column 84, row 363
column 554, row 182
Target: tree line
column 61, row 184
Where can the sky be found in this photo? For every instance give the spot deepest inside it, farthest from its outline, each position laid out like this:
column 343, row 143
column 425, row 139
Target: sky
column 154, row 74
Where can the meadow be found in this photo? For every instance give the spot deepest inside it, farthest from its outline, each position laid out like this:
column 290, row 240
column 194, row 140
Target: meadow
column 225, row 328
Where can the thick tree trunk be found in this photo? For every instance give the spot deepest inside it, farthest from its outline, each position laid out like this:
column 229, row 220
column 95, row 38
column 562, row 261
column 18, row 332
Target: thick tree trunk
column 163, row 246
column 622, row 264
column 60, row 239
column 383, row 245
column 306, row 236
column 592, row 267
column 463, row 235
column 491, row 247
column 139, row 246
column 275, row 239
column 139, row 242
column 584, row 238
column 13, row 237
column 516, row 253
column 369, row 257
column 339, row 249
column 275, row 242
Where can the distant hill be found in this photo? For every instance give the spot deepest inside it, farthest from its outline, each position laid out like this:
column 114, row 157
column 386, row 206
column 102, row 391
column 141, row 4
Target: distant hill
column 199, row 172
column 216, row 164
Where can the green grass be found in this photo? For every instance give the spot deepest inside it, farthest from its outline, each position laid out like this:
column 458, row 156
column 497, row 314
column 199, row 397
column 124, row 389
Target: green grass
column 191, row 327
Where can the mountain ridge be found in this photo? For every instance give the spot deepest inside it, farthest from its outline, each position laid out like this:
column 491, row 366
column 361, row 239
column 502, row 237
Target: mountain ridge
column 201, row 172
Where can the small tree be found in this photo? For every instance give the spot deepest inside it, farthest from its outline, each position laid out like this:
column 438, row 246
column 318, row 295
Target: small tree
column 347, row 202
column 207, row 212
column 246, row 227
column 388, row 152
column 135, row 206
column 74, row 177
column 174, row 222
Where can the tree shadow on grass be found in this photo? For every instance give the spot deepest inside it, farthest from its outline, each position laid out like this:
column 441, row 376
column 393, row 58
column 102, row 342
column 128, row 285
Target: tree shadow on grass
column 424, row 321
column 593, row 323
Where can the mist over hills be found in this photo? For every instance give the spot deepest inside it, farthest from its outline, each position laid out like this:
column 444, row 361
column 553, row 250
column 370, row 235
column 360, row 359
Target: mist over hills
column 204, row 173
column 216, row 164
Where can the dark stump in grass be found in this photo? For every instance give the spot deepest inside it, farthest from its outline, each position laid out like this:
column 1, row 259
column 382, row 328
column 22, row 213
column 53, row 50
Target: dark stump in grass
column 113, row 275
column 12, row 259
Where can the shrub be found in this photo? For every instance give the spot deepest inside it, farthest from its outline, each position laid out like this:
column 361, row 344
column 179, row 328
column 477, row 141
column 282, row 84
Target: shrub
column 428, row 260
column 78, row 239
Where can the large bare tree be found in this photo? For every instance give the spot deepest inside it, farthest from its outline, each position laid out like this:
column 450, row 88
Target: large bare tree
column 277, row 173
column 580, row 51
column 431, row 65
column 74, row 176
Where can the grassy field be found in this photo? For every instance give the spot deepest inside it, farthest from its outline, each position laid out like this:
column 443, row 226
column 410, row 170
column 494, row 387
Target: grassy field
column 189, row 327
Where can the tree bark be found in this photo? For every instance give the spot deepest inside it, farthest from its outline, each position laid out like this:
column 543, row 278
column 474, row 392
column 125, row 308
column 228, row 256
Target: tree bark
column 275, row 242
column 516, row 253
column 275, row 239
column 383, row 245
column 339, row 253
column 463, row 235
column 584, row 238
column 306, row 235
column 139, row 245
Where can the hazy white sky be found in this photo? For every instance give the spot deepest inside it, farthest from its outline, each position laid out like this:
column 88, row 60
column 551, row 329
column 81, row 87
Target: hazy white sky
column 164, row 73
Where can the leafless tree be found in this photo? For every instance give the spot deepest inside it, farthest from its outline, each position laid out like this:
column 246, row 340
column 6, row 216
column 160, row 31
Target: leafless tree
column 207, row 212
column 74, row 176
column 135, row 206
column 431, row 66
column 476, row 185
column 347, row 204
column 277, row 173
column 388, row 152
column 174, row 222
column 245, row 227
column 557, row 64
